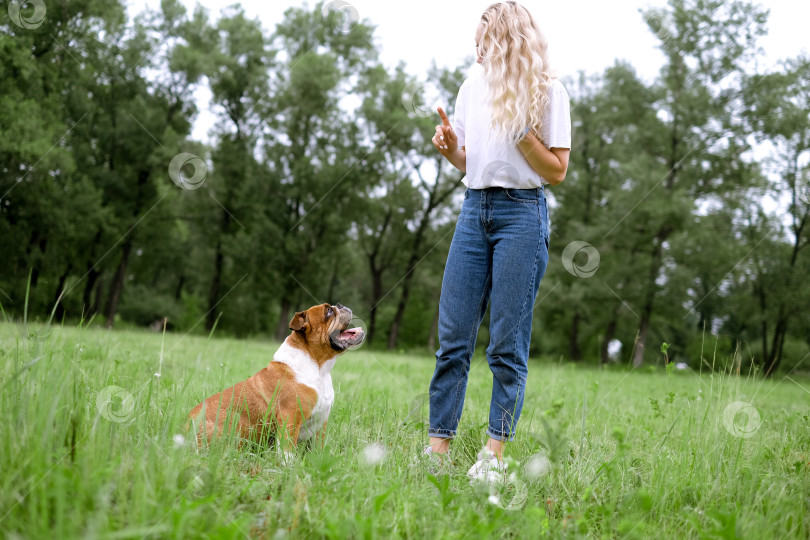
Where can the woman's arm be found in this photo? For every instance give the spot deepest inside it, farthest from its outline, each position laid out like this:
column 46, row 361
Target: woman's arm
column 550, row 164
column 458, row 159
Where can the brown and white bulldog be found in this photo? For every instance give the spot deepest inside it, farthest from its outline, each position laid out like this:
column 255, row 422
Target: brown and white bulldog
column 293, row 394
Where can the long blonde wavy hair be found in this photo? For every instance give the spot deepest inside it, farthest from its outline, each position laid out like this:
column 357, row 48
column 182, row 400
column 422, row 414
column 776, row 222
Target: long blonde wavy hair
column 515, row 62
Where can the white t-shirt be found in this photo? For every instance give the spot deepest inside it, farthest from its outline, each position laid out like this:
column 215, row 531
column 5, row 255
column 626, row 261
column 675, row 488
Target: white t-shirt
column 498, row 163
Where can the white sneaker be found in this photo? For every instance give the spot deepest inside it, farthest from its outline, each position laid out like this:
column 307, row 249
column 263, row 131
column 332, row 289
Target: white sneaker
column 488, row 468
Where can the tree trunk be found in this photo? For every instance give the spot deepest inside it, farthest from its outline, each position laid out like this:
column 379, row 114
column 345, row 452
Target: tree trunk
column 117, row 285
column 406, row 284
column 397, row 322
column 773, row 360
column 573, row 339
column 646, row 313
column 376, row 270
column 216, row 286
column 43, row 243
column 435, row 198
column 641, row 341
column 658, row 241
column 434, row 330
column 88, row 310
column 376, row 294
column 283, row 327
column 59, row 309
column 178, row 291
column 763, row 326
column 780, row 331
column 99, row 295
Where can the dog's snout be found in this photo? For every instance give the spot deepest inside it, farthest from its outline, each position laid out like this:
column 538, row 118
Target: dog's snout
column 345, row 313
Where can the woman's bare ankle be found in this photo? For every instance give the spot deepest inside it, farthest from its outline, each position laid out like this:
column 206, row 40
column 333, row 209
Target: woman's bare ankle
column 440, row 445
column 496, row 446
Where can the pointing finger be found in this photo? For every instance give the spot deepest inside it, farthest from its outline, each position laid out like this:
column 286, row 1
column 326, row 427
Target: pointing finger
column 445, row 120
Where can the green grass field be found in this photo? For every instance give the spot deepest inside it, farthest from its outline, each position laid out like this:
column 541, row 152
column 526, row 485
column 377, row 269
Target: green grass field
column 92, row 446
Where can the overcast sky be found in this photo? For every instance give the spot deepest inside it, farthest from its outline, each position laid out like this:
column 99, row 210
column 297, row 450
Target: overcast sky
column 584, row 35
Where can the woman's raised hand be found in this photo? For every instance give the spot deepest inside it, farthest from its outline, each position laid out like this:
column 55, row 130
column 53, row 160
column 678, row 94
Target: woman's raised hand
column 445, row 140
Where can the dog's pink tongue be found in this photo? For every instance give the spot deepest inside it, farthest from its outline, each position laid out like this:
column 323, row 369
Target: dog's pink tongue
column 350, row 332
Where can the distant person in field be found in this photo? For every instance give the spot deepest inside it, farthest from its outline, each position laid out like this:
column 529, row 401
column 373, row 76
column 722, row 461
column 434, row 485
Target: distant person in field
column 511, row 135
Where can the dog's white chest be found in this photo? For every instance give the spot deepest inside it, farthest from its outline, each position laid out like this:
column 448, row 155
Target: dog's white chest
column 320, row 379
column 326, row 397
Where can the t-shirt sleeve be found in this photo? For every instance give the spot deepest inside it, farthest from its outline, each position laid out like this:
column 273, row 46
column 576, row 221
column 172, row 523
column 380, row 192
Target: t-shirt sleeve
column 557, row 123
column 458, row 115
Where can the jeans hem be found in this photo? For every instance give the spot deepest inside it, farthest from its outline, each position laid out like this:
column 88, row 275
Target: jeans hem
column 441, row 433
column 500, row 436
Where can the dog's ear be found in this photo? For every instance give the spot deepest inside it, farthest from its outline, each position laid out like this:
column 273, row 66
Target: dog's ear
column 299, row 321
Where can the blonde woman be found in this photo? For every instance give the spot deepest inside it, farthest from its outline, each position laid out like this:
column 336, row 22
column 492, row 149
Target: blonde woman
column 511, row 135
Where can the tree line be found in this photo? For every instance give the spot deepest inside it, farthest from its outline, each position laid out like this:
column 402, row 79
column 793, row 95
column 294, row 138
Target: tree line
column 682, row 221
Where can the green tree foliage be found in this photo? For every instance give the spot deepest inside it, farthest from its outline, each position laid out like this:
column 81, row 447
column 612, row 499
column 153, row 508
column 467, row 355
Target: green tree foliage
column 316, row 163
column 777, row 108
column 661, row 185
column 397, row 114
column 683, row 219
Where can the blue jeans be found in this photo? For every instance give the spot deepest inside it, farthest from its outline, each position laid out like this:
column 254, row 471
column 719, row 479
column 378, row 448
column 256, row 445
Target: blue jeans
column 498, row 254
